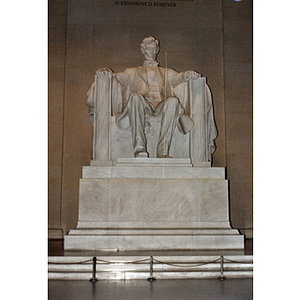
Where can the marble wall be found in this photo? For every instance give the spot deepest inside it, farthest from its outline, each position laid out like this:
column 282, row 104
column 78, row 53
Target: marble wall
column 56, row 90
column 237, row 20
column 210, row 36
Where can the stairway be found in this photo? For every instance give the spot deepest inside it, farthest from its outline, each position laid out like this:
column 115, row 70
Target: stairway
column 138, row 267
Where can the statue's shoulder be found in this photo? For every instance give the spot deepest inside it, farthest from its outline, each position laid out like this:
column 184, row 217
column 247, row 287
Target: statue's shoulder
column 163, row 69
column 131, row 70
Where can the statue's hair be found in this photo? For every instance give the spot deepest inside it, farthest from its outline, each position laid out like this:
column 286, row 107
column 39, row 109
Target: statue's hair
column 149, row 40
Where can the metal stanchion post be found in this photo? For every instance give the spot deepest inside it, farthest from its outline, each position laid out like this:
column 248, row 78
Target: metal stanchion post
column 94, row 279
column 222, row 268
column 151, row 278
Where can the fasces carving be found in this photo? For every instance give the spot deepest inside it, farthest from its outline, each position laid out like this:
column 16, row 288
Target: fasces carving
column 144, row 96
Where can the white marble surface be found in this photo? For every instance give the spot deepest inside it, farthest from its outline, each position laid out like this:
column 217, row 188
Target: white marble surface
column 139, row 213
column 120, row 230
column 138, row 238
column 154, row 242
column 153, row 200
column 146, row 225
column 156, row 162
column 121, row 143
column 151, row 171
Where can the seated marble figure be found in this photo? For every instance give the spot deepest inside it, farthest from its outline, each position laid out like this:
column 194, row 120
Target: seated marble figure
column 147, row 92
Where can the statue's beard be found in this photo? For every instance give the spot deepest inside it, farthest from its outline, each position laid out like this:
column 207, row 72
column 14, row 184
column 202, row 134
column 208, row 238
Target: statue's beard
column 150, row 58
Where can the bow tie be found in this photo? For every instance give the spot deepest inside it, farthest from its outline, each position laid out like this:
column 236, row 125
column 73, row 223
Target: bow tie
column 150, row 63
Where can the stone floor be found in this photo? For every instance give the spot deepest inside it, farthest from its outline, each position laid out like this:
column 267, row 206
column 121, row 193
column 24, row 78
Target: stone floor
column 204, row 289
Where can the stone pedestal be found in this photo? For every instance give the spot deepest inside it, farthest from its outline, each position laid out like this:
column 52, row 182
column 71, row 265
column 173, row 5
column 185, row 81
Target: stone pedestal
column 157, row 204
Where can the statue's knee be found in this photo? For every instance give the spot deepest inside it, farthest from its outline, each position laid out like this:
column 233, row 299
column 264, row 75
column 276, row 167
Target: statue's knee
column 136, row 98
column 172, row 101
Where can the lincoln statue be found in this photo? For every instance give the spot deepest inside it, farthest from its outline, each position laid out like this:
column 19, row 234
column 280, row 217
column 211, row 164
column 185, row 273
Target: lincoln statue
column 148, row 92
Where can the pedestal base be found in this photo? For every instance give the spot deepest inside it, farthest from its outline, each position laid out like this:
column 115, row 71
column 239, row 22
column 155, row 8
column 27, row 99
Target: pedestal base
column 158, row 239
column 152, row 205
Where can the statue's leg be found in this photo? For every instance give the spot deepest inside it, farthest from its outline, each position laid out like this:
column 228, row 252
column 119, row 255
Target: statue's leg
column 136, row 111
column 169, row 115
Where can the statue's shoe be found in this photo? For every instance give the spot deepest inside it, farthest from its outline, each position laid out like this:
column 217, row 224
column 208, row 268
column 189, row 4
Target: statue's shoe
column 141, row 154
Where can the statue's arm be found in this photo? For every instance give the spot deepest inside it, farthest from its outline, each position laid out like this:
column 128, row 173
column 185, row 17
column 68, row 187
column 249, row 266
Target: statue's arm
column 191, row 75
column 105, row 73
column 119, row 83
column 177, row 78
column 121, row 77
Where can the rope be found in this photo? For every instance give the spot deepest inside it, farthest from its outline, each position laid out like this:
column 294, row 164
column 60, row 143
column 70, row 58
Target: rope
column 122, row 262
column 238, row 262
column 147, row 259
column 69, row 263
column 186, row 266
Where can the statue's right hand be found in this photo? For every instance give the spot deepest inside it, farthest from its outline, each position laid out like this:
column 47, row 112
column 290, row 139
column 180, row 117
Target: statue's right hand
column 104, row 73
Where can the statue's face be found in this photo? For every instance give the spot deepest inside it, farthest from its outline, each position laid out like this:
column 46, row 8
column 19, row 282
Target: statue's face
column 150, row 51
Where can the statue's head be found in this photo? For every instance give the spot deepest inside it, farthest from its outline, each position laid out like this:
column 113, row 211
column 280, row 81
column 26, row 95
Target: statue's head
column 150, row 47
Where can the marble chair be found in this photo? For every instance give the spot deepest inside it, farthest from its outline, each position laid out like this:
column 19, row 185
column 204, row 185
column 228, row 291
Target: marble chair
column 106, row 99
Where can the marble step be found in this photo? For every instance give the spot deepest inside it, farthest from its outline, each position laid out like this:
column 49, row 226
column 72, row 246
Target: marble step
column 153, row 171
column 155, row 162
column 151, row 232
column 138, row 267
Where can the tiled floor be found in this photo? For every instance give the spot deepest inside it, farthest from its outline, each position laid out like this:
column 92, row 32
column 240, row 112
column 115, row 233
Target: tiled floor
column 204, row 289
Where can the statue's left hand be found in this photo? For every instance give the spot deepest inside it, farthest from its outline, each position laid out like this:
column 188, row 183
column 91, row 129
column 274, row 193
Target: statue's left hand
column 190, row 75
column 104, row 73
